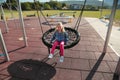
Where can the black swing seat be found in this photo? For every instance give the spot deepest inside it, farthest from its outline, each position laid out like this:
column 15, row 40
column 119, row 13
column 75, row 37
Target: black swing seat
column 74, row 37
column 28, row 69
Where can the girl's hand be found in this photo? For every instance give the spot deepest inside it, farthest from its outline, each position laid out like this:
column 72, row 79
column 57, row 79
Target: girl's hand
column 51, row 42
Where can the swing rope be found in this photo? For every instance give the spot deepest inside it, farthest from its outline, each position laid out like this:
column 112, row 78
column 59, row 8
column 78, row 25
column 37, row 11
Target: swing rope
column 45, row 18
column 35, row 4
column 80, row 16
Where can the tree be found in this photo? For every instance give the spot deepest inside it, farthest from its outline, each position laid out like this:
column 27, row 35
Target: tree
column 55, row 5
column 25, row 6
column 64, row 5
column 38, row 5
column 47, row 6
column 32, row 5
column 12, row 1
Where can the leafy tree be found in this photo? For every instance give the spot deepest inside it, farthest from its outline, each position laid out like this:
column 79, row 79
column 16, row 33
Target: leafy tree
column 25, row 6
column 37, row 5
column 12, row 1
column 55, row 5
column 59, row 6
column 32, row 5
column 13, row 4
column 47, row 6
column 8, row 3
column 64, row 5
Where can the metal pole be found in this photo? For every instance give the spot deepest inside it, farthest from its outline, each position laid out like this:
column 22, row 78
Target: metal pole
column 80, row 16
column 5, row 52
column 22, row 23
column 101, row 9
column 4, row 19
column 35, row 3
column 116, row 75
column 110, row 25
column 11, row 9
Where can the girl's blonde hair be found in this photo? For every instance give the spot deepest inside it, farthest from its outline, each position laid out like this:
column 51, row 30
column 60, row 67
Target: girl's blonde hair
column 61, row 25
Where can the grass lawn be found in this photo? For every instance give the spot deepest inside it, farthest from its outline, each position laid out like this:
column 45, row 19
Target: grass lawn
column 95, row 14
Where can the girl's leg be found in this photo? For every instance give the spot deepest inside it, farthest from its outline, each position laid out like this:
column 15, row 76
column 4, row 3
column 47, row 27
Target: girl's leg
column 54, row 46
column 62, row 48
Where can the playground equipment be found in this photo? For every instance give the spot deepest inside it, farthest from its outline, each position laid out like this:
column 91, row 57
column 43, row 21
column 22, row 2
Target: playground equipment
column 3, row 46
column 3, row 16
column 4, row 50
column 74, row 35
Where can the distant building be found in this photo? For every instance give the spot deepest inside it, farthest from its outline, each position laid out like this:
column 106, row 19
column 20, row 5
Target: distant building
column 75, row 6
column 78, row 4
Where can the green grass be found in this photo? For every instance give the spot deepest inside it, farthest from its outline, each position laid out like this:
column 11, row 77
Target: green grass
column 95, row 14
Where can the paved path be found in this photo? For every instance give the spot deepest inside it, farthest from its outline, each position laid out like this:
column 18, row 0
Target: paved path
column 101, row 27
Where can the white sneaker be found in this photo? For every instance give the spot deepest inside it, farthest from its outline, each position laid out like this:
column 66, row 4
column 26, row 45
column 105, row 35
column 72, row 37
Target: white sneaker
column 50, row 55
column 61, row 58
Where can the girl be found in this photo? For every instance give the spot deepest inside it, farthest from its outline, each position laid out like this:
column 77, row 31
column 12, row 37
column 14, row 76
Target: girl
column 60, row 37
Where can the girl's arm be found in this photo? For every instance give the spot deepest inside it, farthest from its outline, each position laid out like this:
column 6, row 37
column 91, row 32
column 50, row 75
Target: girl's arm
column 66, row 37
column 53, row 37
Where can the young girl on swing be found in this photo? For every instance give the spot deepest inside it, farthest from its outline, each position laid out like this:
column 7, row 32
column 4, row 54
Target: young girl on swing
column 60, row 37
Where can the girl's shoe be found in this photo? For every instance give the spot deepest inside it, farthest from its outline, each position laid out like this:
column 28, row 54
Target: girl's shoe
column 61, row 58
column 50, row 55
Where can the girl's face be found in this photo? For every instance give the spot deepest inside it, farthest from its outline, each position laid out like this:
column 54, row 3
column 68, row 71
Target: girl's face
column 59, row 28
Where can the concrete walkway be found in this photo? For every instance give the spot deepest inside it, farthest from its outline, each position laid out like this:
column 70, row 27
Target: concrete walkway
column 101, row 26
